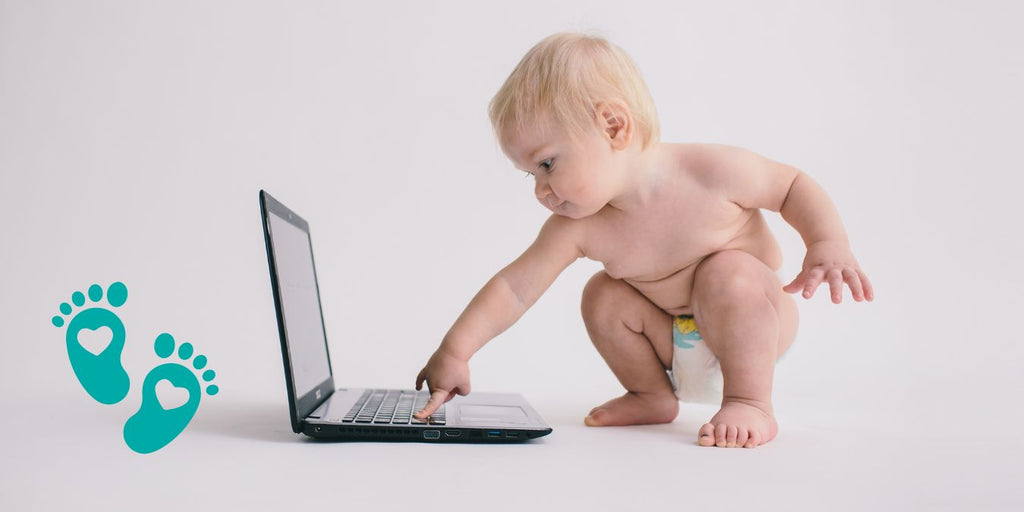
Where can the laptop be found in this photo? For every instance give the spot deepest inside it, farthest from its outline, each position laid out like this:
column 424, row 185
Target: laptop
column 319, row 410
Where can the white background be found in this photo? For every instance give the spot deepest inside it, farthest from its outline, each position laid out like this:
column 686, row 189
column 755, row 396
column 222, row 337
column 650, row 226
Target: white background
column 134, row 137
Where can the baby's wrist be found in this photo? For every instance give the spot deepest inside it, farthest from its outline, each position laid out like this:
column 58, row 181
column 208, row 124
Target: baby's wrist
column 841, row 241
column 454, row 350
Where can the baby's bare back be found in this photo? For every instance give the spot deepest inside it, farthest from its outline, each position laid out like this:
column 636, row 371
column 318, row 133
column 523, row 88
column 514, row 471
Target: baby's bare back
column 657, row 248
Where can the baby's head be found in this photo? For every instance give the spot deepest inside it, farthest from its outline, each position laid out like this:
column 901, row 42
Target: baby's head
column 564, row 79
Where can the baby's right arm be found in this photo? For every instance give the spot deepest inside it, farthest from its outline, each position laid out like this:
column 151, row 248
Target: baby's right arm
column 496, row 307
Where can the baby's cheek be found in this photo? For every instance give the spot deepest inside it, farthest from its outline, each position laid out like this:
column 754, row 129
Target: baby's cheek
column 582, row 189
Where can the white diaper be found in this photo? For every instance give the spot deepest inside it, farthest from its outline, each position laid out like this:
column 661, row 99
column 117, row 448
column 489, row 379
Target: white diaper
column 696, row 374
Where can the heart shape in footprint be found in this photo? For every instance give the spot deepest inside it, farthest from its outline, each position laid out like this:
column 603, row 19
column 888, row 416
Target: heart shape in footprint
column 95, row 340
column 170, row 396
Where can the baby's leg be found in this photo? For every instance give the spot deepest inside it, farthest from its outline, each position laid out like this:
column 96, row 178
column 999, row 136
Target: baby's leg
column 747, row 322
column 635, row 338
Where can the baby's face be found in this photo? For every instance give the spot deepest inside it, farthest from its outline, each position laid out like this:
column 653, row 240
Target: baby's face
column 573, row 177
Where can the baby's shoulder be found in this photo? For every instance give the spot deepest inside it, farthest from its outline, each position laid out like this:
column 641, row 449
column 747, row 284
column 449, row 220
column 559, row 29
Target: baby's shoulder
column 706, row 163
column 699, row 157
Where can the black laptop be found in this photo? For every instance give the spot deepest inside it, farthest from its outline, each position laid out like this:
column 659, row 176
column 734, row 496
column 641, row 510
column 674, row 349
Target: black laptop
column 319, row 410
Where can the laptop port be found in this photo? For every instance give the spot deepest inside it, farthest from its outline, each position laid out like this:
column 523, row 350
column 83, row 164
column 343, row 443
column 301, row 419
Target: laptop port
column 512, row 435
column 453, row 433
column 494, row 433
column 431, row 434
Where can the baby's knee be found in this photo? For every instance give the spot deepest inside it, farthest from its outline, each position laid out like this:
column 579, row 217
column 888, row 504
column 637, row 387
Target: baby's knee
column 603, row 300
column 597, row 296
column 733, row 277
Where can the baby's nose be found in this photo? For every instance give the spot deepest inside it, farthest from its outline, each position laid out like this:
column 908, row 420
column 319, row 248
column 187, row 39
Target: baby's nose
column 541, row 190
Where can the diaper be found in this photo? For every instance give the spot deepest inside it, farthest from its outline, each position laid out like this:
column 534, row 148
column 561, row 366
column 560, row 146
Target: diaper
column 696, row 375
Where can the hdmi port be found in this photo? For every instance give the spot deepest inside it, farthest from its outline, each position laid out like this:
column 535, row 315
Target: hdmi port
column 452, row 433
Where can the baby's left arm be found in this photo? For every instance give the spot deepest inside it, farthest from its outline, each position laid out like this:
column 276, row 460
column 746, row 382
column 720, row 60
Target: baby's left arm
column 753, row 181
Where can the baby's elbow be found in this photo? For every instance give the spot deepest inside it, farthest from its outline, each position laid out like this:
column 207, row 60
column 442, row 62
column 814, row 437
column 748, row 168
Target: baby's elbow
column 515, row 289
column 794, row 176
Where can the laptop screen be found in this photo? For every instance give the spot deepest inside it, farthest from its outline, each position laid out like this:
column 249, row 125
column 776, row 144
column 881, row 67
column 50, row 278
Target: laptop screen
column 300, row 304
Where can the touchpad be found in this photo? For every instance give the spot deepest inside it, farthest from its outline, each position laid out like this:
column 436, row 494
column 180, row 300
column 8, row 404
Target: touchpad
column 491, row 414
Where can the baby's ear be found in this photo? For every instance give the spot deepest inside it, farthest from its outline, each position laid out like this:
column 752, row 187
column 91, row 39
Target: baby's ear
column 615, row 122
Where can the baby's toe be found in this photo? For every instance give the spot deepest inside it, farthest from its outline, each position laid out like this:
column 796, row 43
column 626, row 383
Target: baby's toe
column 730, row 436
column 741, row 437
column 595, row 418
column 720, row 433
column 753, row 441
column 706, row 435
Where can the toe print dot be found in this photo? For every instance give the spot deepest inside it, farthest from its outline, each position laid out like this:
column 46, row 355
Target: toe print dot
column 65, row 308
column 95, row 293
column 185, row 351
column 164, row 345
column 57, row 321
column 117, row 294
column 78, row 298
column 212, row 389
column 199, row 362
column 208, row 375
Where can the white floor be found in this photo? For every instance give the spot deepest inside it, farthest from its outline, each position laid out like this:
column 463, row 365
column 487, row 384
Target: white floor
column 242, row 455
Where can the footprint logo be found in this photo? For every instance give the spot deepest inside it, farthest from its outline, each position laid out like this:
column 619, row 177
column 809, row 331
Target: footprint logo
column 95, row 360
column 158, row 420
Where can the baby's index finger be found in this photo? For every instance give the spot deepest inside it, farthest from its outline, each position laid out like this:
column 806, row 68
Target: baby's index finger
column 436, row 400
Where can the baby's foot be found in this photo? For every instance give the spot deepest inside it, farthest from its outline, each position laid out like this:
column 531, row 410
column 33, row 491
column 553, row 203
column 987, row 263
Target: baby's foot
column 159, row 422
column 95, row 360
column 739, row 424
column 635, row 409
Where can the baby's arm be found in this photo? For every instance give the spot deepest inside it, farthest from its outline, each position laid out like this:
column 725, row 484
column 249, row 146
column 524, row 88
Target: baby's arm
column 496, row 307
column 753, row 181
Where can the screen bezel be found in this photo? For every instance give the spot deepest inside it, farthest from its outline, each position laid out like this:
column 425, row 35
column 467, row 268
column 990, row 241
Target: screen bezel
column 299, row 406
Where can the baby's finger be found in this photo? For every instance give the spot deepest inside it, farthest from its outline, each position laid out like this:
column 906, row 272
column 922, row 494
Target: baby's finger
column 869, row 291
column 853, row 281
column 420, row 378
column 835, row 285
column 813, row 280
column 795, row 285
column 437, row 398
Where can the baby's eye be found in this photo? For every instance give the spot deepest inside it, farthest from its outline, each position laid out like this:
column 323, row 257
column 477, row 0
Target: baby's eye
column 546, row 164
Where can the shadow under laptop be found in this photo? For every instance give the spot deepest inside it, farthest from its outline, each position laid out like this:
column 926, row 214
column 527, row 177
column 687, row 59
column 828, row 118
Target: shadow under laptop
column 257, row 421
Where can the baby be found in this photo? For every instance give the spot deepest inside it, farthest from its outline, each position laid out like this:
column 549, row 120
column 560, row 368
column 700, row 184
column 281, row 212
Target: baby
column 688, row 306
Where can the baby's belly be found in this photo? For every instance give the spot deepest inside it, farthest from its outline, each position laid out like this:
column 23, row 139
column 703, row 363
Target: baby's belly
column 672, row 293
column 672, row 290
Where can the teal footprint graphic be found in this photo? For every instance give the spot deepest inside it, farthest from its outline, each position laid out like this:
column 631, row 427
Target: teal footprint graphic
column 153, row 426
column 100, row 374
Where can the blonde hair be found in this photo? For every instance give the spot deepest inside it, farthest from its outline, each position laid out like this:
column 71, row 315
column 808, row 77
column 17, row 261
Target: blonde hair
column 566, row 76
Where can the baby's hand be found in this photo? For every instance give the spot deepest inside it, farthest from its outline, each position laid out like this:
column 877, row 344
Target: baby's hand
column 446, row 376
column 832, row 262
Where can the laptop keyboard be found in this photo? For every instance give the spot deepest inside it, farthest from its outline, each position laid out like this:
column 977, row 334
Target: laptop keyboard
column 393, row 407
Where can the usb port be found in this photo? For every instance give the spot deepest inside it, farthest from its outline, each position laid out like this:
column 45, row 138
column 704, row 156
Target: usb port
column 452, row 433
column 512, row 435
column 494, row 433
column 431, row 434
